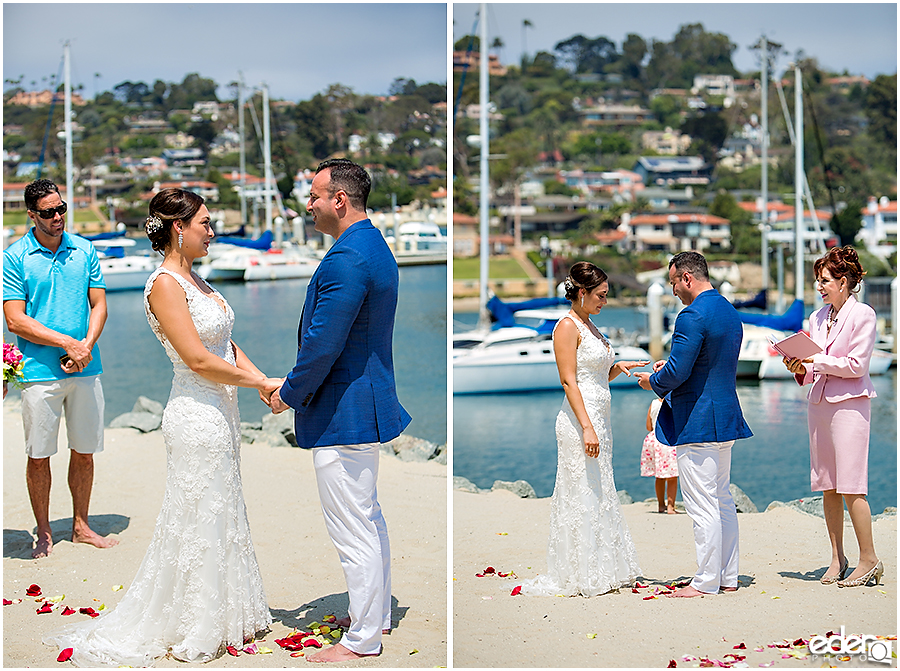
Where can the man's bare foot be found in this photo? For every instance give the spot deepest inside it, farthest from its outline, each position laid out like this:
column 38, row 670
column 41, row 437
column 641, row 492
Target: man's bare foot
column 672, row 511
column 661, row 510
column 43, row 546
column 335, row 653
column 344, row 623
column 92, row 538
column 686, row 593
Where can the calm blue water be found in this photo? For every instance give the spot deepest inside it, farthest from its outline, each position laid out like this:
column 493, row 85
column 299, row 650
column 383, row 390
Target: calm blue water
column 266, row 318
column 511, row 436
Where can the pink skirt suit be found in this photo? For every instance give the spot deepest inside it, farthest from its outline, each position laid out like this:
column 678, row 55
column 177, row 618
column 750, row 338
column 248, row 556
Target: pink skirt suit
column 840, row 398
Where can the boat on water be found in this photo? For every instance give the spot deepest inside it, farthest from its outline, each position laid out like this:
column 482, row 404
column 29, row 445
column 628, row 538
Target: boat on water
column 248, row 264
column 518, row 355
column 418, row 242
column 122, row 272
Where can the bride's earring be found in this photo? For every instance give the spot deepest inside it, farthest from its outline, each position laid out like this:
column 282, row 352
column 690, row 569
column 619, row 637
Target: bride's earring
column 582, row 300
column 180, row 239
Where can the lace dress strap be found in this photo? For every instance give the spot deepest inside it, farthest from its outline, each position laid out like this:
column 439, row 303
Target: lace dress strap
column 569, row 316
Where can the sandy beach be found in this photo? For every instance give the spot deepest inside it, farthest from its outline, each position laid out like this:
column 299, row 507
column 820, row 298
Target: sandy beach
column 783, row 555
column 300, row 568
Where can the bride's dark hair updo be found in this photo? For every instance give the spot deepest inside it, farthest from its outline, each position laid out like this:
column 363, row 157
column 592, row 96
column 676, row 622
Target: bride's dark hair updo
column 167, row 207
column 841, row 262
column 583, row 275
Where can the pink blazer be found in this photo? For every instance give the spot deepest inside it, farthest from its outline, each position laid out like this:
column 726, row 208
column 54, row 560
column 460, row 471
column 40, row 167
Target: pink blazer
column 842, row 370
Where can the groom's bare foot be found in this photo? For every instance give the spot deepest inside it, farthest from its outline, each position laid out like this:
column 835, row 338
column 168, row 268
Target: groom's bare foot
column 686, row 593
column 43, row 546
column 344, row 623
column 92, row 538
column 335, row 653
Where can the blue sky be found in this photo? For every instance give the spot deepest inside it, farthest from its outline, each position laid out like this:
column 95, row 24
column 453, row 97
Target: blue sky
column 298, row 49
column 859, row 37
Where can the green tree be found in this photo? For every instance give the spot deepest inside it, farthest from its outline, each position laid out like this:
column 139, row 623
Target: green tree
column 848, row 222
column 881, row 109
column 312, row 119
column 583, row 55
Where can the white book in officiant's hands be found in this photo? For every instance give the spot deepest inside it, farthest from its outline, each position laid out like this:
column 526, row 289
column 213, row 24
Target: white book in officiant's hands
column 796, row 346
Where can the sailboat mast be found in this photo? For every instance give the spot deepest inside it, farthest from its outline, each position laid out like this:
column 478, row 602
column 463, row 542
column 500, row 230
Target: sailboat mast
column 764, row 209
column 67, row 109
column 267, row 156
column 484, row 195
column 243, row 163
column 798, row 183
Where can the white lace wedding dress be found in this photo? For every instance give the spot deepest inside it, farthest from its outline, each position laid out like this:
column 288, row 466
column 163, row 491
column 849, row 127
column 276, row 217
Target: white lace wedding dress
column 590, row 550
column 199, row 587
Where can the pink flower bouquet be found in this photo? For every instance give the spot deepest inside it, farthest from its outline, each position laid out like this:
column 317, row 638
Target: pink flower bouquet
column 12, row 364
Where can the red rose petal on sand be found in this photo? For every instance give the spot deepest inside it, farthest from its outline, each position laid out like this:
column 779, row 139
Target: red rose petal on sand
column 502, row 575
column 740, row 646
column 46, row 608
column 516, row 590
column 232, row 651
column 672, row 664
column 33, row 590
column 89, row 611
column 489, row 569
column 7, row 602
column 68, row 611
column 479, row 575
column 639, row 585
column 65, row 655
column 311, row 642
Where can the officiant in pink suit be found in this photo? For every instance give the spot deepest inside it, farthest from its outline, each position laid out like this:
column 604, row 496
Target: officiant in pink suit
column 839, row 411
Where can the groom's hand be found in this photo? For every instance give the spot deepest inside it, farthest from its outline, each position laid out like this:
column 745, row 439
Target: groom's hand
column 277, row 405
column 644, row 380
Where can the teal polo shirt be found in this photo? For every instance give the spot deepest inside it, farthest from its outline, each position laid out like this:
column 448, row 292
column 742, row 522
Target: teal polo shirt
column 55, row 290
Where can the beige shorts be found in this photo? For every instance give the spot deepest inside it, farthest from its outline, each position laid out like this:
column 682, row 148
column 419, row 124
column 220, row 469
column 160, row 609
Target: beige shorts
column 42, row 408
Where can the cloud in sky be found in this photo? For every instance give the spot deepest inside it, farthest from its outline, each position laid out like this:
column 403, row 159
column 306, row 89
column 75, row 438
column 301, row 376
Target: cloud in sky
column 859, row 37
column 298, row 49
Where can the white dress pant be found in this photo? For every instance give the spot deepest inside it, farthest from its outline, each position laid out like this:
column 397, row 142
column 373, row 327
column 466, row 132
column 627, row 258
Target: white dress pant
column 704, row 472
column 347, row 476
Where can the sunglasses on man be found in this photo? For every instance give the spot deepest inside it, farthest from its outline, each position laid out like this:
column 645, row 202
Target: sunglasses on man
column 50, row 212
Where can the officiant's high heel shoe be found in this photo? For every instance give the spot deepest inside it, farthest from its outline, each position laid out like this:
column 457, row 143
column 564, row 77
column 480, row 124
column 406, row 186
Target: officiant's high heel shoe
column 831, row 579
column 876, row 572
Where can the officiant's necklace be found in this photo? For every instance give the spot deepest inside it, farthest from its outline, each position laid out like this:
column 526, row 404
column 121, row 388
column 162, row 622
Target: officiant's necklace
column 832, row 319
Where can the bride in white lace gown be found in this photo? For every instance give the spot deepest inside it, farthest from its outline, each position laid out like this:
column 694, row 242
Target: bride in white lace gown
column 590, row 550
column 198, row 588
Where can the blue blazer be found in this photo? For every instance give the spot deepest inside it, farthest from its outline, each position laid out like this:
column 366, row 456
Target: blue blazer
column 698, row 380
column 342, row 387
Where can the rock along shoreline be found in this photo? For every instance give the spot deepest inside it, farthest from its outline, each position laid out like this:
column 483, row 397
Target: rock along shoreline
column 810, row 505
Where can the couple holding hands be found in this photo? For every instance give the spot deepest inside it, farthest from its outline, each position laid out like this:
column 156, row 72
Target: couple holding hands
column 199, row 587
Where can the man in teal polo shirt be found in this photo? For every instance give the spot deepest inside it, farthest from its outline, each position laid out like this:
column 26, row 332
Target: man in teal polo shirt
column 54, row 300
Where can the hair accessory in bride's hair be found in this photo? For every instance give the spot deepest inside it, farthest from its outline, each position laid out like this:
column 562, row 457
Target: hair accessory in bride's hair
column 153, row 224
column 569, row 284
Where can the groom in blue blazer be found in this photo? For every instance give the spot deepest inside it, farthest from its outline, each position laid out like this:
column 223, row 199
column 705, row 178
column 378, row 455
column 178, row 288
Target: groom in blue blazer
column 701, row 417
column 344, row 397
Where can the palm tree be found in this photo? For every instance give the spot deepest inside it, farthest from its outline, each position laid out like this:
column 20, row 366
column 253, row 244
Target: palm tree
column 525, row 24
column 498, row 45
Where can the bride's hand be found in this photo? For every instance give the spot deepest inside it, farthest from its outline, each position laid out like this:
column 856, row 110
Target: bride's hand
column 269, row 385
column 626, row 366
column 591, row 444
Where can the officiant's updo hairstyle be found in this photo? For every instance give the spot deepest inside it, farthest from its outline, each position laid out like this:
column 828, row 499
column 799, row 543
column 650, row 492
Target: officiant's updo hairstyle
column 841, row 262
column 168, row 206
column 583, row 275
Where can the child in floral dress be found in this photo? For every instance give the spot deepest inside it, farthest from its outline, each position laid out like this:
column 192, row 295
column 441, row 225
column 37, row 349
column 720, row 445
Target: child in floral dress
column 658, row 460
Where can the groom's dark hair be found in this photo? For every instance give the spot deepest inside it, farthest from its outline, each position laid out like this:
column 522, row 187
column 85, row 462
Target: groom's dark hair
column 350, row 178
column 691, row 262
